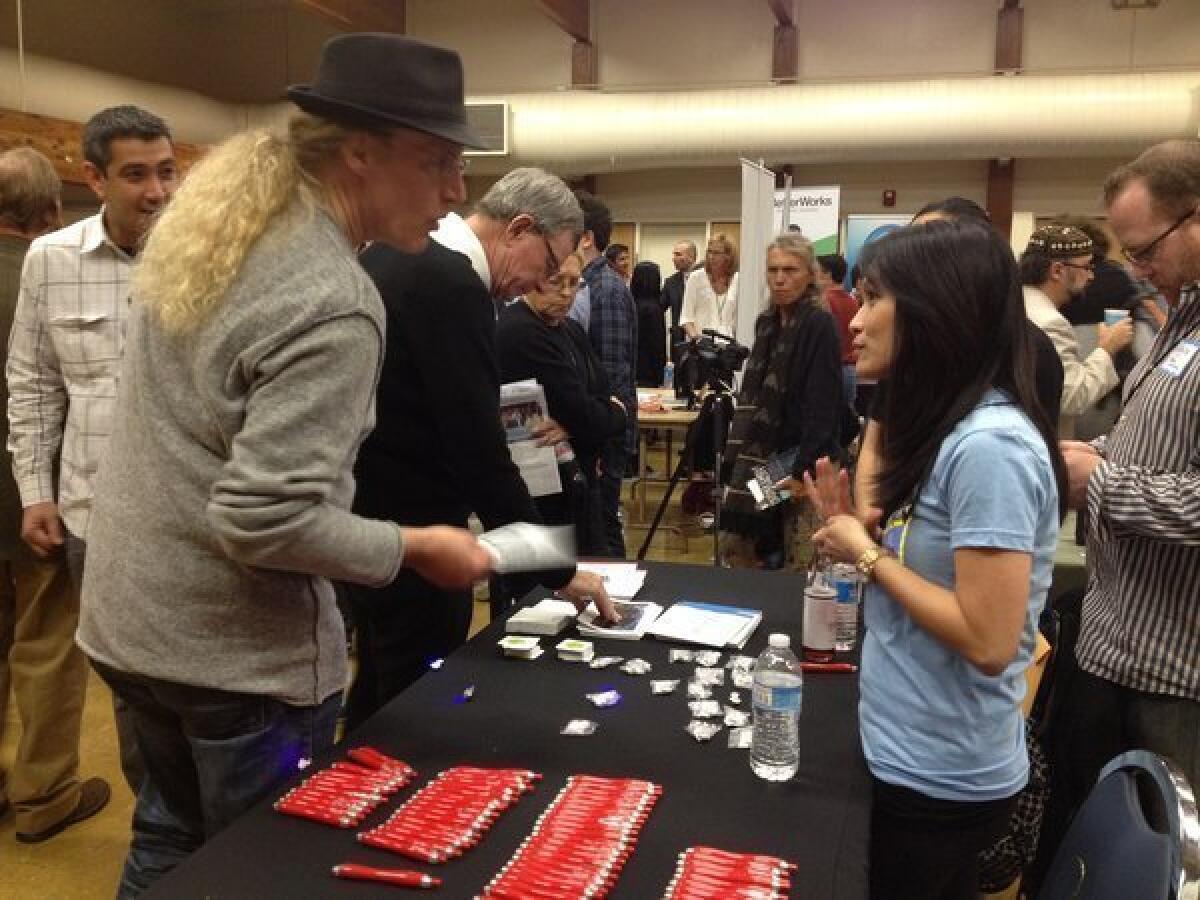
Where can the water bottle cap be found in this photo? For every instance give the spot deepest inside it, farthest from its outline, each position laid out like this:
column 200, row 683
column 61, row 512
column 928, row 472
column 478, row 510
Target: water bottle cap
column 779, row 641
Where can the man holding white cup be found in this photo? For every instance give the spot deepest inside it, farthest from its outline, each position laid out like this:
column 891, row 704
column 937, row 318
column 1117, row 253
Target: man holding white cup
column 1056, row 267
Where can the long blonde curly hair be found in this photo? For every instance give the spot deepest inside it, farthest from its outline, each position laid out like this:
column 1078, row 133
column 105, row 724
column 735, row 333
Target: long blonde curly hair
column 196, row 248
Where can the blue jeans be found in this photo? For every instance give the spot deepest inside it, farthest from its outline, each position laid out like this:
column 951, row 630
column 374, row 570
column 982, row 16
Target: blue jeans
column 850, row 383
column 209, row 755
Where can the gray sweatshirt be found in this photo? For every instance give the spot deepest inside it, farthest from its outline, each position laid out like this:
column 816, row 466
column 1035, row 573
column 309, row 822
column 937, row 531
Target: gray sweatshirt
column 222, row 508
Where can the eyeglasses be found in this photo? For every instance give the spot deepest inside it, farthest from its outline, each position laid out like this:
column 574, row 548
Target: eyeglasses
column 564, row 283
column 450, row 165
column 1143, row 255
column 1086, row 267
column 552, row 263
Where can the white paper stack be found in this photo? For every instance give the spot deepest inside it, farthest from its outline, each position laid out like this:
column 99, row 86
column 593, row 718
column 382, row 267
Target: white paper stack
column 548, row 617
column 621, row 580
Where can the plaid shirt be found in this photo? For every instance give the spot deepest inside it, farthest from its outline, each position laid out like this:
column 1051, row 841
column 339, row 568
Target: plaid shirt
column 63, row 360
column 613, row 333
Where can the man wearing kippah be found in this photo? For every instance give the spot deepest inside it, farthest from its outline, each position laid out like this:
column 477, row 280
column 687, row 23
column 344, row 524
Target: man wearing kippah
column 1056, row 267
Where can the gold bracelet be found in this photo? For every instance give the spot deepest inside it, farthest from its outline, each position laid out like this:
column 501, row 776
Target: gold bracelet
column 867, row 562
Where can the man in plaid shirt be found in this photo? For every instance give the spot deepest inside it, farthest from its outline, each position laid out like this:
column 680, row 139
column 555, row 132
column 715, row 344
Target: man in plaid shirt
column 68, row 335
column 613, row 332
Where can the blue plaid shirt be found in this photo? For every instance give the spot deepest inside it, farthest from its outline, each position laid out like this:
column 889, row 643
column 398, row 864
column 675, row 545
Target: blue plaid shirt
column 613, row 333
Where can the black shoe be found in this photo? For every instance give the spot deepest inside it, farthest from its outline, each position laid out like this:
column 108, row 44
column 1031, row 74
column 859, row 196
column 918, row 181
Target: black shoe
column 93, row 797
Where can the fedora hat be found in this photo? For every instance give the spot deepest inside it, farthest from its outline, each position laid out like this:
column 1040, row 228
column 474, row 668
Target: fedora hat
column 389, row 79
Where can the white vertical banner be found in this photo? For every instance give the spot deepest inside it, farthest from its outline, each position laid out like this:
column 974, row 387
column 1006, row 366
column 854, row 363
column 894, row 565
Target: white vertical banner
column 758, row 213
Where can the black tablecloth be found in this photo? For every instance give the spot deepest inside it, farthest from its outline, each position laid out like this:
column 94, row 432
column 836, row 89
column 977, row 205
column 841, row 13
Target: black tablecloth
column 819, row 820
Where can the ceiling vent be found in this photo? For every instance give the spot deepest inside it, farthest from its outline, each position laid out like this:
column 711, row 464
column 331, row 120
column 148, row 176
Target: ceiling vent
column 490, row 122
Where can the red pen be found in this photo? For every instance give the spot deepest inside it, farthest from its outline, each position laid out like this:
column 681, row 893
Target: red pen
column 828, row 667
column 399, row 877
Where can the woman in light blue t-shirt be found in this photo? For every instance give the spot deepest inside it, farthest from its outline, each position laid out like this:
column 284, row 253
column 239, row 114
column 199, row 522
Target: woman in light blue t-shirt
column 968, row 490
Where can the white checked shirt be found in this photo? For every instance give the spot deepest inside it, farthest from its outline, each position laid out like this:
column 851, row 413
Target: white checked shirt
column 63, row 359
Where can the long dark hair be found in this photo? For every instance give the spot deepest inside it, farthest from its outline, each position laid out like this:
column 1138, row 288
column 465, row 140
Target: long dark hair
column 959, row 330
column 646, row 281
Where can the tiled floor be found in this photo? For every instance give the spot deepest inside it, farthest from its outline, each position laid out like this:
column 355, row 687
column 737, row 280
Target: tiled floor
column 84, row 862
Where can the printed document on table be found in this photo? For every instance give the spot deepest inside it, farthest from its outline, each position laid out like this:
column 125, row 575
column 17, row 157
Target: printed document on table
column 709, row 624
column 621, row 580
column 522, row 409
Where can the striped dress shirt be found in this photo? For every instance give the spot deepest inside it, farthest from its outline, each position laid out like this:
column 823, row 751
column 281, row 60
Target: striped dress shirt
column 1141, row 613
column 64, row 356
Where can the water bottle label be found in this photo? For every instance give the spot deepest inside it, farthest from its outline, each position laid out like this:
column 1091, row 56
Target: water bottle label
column 778, row 699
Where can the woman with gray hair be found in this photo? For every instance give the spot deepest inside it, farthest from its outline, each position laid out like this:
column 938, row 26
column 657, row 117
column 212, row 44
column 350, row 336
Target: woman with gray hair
column 223, row 509
column 790, row 403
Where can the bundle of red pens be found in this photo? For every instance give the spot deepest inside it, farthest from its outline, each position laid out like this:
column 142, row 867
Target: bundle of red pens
column 580, row 843
column 705, row 873
column 347, row 792
column 450, row 814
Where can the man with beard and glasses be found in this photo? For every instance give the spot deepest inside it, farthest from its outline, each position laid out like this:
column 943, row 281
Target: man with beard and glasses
column 1056, row 267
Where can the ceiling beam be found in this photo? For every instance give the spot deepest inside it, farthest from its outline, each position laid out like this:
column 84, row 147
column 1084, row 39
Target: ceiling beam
column 785, row 55
column 785, row 12
column 572, row 16
column 60, row 142
column 359, row 15
column 1009, row 36
column 785, row 48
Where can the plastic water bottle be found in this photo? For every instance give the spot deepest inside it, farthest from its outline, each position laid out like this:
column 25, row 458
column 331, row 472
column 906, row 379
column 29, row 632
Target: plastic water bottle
column 847, row 582
column 669, row 375
column 778, row 691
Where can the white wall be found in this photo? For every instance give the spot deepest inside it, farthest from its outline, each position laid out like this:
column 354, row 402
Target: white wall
column 506, row 45
column 1045, row 187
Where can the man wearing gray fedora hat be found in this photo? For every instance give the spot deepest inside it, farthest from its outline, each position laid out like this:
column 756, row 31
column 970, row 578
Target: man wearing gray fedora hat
column 254, row 347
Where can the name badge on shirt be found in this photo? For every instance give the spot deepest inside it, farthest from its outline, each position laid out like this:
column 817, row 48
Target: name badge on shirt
column 1179, row 359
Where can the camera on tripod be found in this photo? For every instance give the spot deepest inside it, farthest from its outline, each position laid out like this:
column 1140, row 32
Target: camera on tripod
column 708, row 361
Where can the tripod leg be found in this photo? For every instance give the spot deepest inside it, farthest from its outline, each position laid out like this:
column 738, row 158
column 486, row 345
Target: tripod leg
column 662, row 505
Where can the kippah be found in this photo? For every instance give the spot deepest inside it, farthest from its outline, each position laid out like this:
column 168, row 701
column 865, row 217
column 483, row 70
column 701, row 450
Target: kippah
column 1060, row 240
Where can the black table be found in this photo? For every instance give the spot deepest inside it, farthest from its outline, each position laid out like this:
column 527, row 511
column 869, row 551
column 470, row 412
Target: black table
column 819, row 820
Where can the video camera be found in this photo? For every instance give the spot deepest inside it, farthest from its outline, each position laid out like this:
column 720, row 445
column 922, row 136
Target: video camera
column 709, row 361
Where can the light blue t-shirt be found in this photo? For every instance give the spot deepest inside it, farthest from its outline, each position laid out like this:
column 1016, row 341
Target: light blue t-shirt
column 930, row 720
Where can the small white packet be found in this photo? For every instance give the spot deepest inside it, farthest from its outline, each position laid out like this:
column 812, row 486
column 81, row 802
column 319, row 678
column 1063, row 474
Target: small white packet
column 579, row 728
column 698, row 691
column 604, row 699
column 702, row 731
column 603, row 662
column 705, row 709
column 636, row 667
column 741, row 738
column 736, row 718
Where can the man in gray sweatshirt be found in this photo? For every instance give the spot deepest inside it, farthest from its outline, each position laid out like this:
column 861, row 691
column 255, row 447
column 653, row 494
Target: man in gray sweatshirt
column 223, row 509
